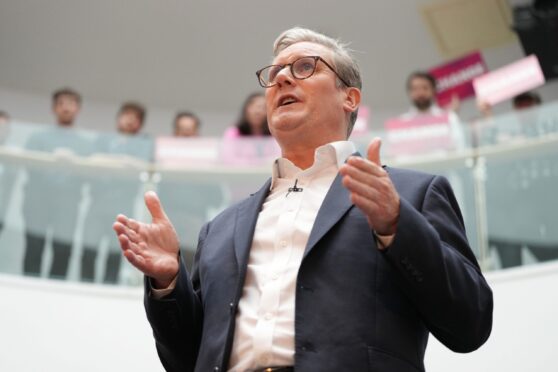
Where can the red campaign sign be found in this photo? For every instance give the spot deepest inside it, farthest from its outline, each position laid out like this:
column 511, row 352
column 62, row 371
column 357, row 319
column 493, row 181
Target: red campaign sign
column 456, row 77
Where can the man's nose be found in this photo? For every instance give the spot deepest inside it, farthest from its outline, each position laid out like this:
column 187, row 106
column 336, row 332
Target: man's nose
column 284, row 77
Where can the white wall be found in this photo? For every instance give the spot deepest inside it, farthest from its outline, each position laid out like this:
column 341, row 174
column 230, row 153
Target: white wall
column 56, row 326
column 525, row 332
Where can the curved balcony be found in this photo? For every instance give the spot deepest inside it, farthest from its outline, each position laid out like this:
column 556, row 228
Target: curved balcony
column 61, row 189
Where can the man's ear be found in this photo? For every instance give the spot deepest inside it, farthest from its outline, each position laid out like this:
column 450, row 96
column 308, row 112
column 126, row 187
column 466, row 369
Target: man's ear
column 352, row 99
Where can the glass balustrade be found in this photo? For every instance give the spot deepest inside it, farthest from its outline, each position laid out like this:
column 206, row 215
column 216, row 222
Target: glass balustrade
column 61, row 189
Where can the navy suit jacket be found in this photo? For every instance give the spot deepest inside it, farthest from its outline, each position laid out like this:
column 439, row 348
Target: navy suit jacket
column 357, row 308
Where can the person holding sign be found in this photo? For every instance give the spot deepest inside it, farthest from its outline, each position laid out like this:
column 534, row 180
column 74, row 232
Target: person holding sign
column 426, row 126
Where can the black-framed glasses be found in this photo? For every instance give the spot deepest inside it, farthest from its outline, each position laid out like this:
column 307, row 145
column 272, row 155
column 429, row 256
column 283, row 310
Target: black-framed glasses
column 301, row 69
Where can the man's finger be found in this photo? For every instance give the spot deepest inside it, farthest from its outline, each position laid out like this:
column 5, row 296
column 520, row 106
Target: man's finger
column 134, row 225
column 366, row 205
column 122, row 219
column 124, row 242
column 135, row 247
column 132, row 235
column 357, row 165
column 154, row 206
column 136, row 260
column 119, row 228
column 357, row 187
column 373, row 153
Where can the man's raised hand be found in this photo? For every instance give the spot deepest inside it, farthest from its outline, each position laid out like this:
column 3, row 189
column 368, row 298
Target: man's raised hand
column 152, row 248
column 372, row 190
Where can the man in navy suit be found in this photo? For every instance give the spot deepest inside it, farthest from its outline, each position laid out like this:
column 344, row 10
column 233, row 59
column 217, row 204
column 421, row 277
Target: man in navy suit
column 335, row 264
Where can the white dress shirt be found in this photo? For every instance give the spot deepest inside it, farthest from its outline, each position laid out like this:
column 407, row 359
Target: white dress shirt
column 264, row 333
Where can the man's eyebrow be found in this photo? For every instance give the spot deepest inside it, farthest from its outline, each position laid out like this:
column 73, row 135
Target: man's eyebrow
column 295, row 57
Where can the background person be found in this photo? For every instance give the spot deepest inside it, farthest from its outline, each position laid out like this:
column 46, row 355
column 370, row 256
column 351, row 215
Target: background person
column 252, row 120
column 51, row 198
column 186, row 124
column 111, row 194
column 189, row 201
column 421, row 90
column 249, row 143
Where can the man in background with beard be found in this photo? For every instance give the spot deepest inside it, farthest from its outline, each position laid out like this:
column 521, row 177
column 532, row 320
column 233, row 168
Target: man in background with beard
column 421, row 89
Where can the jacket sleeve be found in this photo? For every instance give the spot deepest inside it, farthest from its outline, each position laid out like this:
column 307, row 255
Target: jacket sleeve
column 177, row 319
column 439, row 272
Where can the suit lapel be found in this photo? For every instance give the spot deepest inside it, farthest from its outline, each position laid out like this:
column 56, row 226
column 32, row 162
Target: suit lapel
column 246, row 217
column 336, row 203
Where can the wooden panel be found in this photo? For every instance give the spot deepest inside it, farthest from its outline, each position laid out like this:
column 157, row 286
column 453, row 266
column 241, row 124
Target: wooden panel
column 460, row 26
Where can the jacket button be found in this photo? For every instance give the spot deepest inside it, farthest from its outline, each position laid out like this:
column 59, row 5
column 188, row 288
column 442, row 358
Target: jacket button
column 216, row 369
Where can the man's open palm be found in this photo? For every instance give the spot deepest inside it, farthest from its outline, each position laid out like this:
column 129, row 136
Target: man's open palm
column 152, row 248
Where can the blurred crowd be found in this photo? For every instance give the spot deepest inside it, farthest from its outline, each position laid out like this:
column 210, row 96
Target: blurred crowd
column 51, row 199
column 50, row 202
column 421, row 88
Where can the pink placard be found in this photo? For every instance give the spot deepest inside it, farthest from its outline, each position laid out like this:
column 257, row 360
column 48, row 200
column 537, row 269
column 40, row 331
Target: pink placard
column 509, row 81
column 173, row 151
column 419, row 135
column 259, row 151
column 456, row 77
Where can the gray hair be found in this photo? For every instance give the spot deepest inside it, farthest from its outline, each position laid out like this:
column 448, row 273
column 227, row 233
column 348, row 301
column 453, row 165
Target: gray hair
column 343, row 61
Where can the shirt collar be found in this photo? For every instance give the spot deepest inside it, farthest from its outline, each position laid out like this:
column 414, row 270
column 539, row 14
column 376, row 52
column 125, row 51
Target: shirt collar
column 333, row 153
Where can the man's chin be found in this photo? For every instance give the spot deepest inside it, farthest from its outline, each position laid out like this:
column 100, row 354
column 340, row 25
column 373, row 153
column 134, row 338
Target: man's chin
column 422, row 105
column 285, row 120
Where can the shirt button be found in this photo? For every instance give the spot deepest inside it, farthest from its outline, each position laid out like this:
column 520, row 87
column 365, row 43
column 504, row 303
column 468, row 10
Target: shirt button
column 275, row 276
column 268, row 316
column 283, row 243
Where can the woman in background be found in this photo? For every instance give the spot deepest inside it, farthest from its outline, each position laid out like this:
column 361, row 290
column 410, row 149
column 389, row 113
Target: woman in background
column 253, row 118
column 249, row 142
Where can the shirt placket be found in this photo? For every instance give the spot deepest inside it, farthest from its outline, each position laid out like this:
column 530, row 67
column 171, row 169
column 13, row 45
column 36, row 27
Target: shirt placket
column 274, row 285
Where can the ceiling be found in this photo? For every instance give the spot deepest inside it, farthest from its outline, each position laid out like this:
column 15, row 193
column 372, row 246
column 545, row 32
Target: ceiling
column 202, row 55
